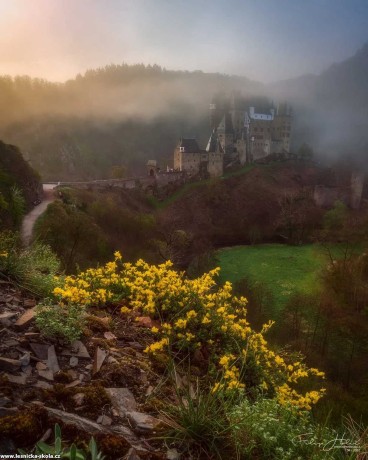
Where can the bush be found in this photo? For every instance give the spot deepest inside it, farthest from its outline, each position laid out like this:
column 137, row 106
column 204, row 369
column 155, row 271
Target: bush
column 196, row 315
column 33, row 268
column 59, row 321
column 269, row 430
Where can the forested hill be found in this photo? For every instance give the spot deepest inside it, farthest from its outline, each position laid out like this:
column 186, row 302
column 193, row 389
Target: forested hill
column 117, row 115
column 331, row 108
column 20, row 186
column 113, row 119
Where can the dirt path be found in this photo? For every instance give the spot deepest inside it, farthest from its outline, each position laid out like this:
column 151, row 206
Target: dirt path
column 30, row 219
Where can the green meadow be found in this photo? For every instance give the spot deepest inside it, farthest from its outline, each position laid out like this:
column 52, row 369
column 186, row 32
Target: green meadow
column 284, row 270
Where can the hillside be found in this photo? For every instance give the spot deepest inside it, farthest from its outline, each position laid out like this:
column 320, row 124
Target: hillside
column 331, row 108
column 249, row 208
column 20, row 186
column 117, row 115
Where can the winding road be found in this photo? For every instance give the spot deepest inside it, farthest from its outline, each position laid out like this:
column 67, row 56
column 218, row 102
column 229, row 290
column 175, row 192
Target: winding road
column 30, row 219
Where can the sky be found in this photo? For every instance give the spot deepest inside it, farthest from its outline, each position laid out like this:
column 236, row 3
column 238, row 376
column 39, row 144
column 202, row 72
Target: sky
column 265, row 40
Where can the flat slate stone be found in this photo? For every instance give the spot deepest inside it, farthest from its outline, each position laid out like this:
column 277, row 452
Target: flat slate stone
column 41, row 366
column 25, row 319
column 52, row 361
column 143, row 423
column 100, row 356
column 6, row 316
column 29, row 303
column 18, row 379
column 8, row 364
column 48, row 375
column 77, row 349
column 73, row 362
column 104, row 420
column 40, row 350
column 42, row 384
column 122, row 400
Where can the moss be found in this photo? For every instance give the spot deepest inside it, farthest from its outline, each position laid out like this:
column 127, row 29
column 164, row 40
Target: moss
column 63, row 377
column 124, row 374
column 25, row 427
column 95, row 398
column 102, row 343
column 112, row 446
column 6, row 387
column 154, row 405
column 97, row 324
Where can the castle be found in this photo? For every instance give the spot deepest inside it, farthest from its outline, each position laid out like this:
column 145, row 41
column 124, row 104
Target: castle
column 242, row 132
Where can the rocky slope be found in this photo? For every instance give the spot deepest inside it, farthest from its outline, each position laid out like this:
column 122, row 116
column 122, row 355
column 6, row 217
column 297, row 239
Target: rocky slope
column 103, row 386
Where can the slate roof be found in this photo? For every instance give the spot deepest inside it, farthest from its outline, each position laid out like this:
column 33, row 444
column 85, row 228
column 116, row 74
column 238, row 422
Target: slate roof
column 213, row 143
column 226, row 124
column 190, row 145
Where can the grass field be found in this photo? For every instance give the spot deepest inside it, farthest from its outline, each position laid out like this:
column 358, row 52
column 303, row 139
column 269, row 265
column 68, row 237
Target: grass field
column 284, row 270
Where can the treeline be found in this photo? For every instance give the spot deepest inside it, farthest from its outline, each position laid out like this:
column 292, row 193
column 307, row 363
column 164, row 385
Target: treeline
column 329, row 325
column 119, row 115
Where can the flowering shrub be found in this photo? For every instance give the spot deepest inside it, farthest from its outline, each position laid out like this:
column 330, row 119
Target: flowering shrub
column 194, row 314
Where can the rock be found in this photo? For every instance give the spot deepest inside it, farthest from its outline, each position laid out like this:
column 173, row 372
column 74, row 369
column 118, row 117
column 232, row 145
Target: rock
column 77, row 349
column 79, row 399
column 81, row 423
column 17, row 379
column 198, row 358
column 93, row 428
column 73, row 374
column 122, row 400
column 13, row 355
column 29, row 303
column 132, row 455
column 143, row 377
column 42, row 384
column 136, row 346
column 5, row 318
column 8, row 364
column 73, row 362
column 27, row 370
column 172, row 454
column 144, row 321
column 40, row 350
column 112, row 360
column 89, row 367
column 100, row 356
column 25, row 359
column 52, row 361
column 4, row 401
column 149, row 390
column 41, row 366
column 32, row 335
column 104, row 420
column 37, row 403
column 10, row 343
column 4, row 411
column 109, row 336
column 25, row 319
column 73, row 384
column 143, row 423
column 82, row 351
column 48, row 375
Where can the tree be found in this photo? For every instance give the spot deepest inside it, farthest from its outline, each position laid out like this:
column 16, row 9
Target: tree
column 305, row 152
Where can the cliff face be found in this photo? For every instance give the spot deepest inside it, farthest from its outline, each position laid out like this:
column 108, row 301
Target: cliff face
column 16, row 174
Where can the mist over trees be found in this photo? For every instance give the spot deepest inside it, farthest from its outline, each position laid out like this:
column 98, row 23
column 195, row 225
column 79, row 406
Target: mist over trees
column 123, row 115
